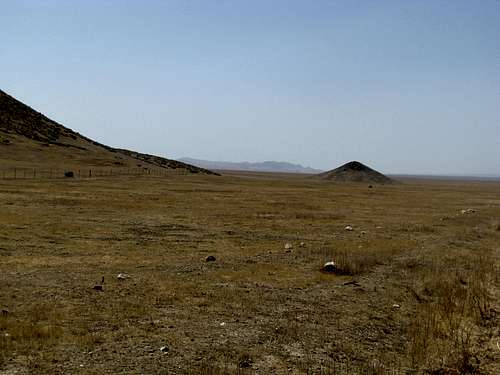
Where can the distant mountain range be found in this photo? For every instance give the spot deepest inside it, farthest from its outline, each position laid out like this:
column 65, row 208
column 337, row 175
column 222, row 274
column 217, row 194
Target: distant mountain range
column 266, row 166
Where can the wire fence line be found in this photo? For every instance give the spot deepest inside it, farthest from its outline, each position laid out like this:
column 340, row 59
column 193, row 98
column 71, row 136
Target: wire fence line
column 53, row 173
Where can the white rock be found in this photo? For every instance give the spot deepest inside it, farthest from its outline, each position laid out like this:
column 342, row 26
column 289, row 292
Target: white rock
column 396, row 306
column 288, row 246
column 122, row 276
column 329, row 267
column 223, row 324
column 349, row 228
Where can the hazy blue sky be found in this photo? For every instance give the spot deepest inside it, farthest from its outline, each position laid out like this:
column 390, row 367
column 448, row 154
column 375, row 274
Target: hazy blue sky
column 405, row 86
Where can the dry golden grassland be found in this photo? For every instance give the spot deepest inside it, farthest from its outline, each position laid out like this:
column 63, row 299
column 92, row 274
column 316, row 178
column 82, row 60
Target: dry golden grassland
column 418, row 289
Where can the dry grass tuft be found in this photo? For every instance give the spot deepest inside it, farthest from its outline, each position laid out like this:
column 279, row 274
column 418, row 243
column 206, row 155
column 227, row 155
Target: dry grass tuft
column 37, row 328
column 444, row 328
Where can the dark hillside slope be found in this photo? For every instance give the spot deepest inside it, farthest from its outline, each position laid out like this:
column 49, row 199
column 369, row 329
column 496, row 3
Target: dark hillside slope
column 355, row 171
column 31, row 140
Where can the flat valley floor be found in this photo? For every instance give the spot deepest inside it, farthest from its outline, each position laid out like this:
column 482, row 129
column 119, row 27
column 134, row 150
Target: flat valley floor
column 416, row 289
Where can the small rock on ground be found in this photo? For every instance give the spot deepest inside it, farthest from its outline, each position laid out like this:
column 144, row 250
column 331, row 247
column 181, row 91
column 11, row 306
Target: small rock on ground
column 330, row 267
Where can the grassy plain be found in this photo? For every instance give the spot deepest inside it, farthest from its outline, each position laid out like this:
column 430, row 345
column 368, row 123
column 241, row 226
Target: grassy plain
column 419, row 290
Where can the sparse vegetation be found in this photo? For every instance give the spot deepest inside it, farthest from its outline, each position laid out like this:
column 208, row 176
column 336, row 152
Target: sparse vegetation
column 414, row 294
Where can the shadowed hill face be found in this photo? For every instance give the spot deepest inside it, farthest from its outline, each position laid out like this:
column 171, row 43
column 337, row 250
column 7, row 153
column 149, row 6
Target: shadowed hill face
column 17, row 118
column 355, row 166
column 29, row 139
column 355, row 171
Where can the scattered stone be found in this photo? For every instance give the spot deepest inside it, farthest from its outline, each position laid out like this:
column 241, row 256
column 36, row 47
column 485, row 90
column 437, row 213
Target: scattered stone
column 98, row 288
column 245, row 363
column 363, row 232
column 349, row 228
column 330, row 267
column 468, row 211
column 69, row 174
column 288, row 246
column 370, row 186
column 223, row 324
column 302, row 244
column 396, row 306
column 352, row 282
column 5, row 312
column 211, row 258
column 164, row 349
column 122, row 276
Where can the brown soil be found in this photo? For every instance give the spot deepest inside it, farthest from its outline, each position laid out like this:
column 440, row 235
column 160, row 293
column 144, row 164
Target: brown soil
column 419, row 291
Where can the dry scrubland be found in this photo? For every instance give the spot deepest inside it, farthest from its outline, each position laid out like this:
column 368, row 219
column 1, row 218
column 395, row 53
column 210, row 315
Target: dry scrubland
column 419, row 287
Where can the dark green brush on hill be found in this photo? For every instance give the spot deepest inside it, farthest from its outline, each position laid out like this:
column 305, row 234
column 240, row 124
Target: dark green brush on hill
column 355, row 171
column 28, row 139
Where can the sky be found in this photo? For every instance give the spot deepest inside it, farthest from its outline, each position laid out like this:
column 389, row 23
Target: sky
column 404, row 86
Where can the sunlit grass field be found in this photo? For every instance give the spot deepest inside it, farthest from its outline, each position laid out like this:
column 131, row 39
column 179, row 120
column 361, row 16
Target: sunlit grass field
column 418, row 290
